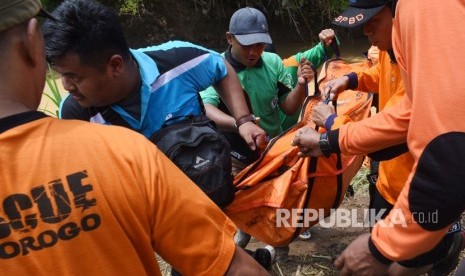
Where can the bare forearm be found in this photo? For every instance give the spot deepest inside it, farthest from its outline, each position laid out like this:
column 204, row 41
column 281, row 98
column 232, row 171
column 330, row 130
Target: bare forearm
column 294, row 100
column 230, row 91
column 223, row 121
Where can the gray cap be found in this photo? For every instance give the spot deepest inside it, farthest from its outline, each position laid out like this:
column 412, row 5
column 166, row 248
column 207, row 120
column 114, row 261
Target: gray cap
column 249, row 26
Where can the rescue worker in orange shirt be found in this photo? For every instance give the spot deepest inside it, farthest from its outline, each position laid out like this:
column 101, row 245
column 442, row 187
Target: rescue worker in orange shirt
column 427, row 121
column 87, row 199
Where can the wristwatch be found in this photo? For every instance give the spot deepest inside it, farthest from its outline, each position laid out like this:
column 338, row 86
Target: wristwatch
column 245, row 119
column 324, row 144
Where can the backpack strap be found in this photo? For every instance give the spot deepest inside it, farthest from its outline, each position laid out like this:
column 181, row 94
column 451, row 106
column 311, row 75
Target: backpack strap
column 113, row 117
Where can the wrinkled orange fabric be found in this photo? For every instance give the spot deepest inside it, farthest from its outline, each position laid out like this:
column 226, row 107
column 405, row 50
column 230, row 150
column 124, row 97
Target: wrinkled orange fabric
column 282, row 180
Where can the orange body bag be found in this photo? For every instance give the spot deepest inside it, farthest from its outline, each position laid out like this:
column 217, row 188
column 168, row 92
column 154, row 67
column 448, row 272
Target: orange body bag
column 280, row 181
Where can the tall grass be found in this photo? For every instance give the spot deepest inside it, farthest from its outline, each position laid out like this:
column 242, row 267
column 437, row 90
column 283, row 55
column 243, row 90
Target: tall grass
column 360, row 182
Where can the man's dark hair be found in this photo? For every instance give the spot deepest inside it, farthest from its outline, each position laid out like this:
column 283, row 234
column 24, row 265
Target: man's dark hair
column 86, row 28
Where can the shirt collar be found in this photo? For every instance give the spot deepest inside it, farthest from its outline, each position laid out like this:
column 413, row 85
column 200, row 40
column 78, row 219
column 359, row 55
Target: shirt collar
column 15, row 120
column 236, row 64
column 148, row 73
column 147, row 66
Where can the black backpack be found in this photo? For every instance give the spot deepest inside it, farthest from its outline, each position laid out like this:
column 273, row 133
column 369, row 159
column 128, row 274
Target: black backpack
column 197, row 149
column 202, row 154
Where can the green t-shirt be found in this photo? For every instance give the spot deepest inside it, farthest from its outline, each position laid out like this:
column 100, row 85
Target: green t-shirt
column 317, row 56
column 266, row 86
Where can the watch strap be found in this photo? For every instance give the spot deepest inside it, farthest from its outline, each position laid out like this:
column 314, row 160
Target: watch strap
column 245, row 119
column 324, row 145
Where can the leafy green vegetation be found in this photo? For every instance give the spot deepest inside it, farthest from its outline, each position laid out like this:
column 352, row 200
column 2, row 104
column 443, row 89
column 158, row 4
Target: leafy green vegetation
column 54, row 95
column 130, row 6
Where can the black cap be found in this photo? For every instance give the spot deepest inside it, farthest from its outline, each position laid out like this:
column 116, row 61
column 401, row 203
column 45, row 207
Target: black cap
column 359, row 12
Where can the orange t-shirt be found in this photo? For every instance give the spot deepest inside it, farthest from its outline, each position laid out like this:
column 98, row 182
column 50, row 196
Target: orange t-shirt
column 384, row 78
column 429, row 119
column 433, row 78
column 87, row 199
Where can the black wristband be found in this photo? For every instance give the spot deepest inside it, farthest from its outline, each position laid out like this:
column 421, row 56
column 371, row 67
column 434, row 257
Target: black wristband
column 353, row 80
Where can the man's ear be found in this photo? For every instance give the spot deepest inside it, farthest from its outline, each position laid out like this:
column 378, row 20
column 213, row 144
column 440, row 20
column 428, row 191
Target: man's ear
column 229, row 37
column 115, row 65
column 34, row 43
